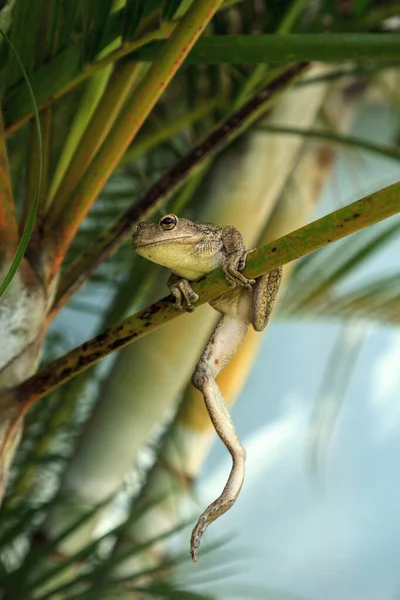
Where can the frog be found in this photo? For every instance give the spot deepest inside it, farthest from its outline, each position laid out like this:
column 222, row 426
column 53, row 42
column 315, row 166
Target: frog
column 191, row 250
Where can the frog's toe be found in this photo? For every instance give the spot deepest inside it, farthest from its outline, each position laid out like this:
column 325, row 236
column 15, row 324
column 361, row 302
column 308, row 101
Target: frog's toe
column 240, row 279
column 193, row 297
column 197, row 533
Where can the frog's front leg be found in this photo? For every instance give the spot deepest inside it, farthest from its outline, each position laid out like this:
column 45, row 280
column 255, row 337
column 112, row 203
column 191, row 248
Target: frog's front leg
column 226, row 338
column 183, row 293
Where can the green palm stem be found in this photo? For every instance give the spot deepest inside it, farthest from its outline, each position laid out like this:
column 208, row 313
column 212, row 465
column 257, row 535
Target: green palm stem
column 245, row 184
column 281, row 49
column 132, row 117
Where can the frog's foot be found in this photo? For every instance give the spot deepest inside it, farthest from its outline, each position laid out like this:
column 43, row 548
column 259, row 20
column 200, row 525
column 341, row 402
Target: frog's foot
column 234, row 263
column 212, row 512
column 226, row 500
column 184, row 295
column 264, row 295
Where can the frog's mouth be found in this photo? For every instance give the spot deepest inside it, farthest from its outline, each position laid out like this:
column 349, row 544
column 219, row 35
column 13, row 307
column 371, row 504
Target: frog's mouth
column 138, row 245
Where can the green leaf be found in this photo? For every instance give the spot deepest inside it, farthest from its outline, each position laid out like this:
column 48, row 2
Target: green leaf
column 96, row 575
column 17, row 522
column 32, row 214
column 339, row 138
column 310, row 283
column 238, row 49
column 34, row 558
column 334, row 385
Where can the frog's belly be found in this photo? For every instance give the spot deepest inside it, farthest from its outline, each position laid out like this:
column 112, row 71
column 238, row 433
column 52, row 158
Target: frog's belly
column 194, row 263
column 194, row 269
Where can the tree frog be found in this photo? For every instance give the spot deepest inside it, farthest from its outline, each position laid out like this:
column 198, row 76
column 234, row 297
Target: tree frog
column 191, row 250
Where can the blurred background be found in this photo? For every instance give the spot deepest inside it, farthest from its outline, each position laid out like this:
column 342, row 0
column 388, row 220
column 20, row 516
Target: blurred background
column 115, row 465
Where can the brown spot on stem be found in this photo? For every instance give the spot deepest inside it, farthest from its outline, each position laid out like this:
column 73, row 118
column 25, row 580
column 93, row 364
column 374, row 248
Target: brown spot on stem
column 122, row 342
column 65, row 373
column 101, row 337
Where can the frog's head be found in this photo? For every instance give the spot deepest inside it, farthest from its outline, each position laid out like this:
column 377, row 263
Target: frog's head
column 168, row 241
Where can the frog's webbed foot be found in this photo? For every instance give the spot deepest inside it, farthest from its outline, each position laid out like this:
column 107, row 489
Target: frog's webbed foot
column 222, row 504
column 264, row 295
column 184, row 295
column 233, row 265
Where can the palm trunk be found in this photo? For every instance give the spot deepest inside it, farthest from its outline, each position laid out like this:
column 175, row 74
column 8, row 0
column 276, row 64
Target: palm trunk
column 22, row 324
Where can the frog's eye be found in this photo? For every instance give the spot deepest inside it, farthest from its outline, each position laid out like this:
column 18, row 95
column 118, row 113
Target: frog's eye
column 168, row 222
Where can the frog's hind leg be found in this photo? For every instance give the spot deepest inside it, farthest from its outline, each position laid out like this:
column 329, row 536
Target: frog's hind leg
column 264, row 293
column 226, row 338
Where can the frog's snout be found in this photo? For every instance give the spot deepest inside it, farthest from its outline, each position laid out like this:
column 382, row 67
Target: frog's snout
column 136, row 227
column 135, row 233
